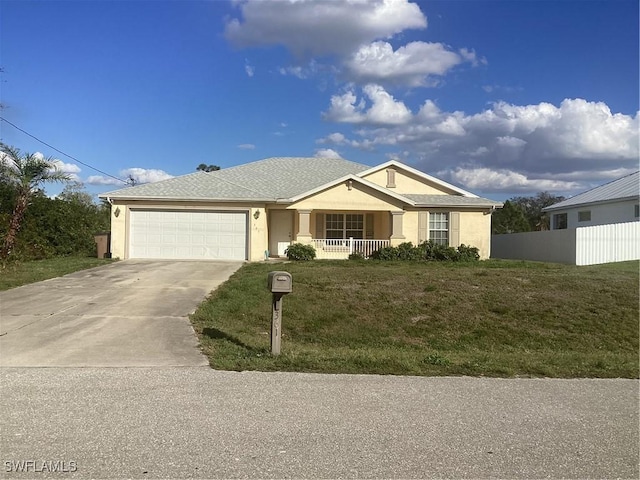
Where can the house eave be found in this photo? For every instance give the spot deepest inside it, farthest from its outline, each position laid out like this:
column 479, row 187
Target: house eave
column 553, row 208
column 187, row 200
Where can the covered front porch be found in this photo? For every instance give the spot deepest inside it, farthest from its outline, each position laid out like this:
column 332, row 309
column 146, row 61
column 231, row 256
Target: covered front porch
column 334, row 234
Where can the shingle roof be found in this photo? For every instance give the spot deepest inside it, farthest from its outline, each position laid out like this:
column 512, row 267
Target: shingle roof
column 272, row 179
column 450, row 201
column 265, row 180
column 627, row 187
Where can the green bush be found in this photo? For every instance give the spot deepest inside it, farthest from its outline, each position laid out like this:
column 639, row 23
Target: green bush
column 468, row 254
column 299, row 251
column 385, row 253
column 427, row 251
column 356, row 256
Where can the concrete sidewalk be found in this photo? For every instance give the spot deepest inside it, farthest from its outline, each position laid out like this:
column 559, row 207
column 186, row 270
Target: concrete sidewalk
column 129, row 313
column 199, row 423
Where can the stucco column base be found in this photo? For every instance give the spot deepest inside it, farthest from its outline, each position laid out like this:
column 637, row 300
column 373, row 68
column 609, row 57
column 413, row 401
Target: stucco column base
column 305, row 239
column 395, row 241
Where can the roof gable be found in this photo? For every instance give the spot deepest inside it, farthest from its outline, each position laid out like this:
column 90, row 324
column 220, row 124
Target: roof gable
column 356, row 179
column 428, row 180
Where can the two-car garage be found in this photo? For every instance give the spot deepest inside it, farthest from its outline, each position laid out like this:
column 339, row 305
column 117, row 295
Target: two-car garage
column 188, row 234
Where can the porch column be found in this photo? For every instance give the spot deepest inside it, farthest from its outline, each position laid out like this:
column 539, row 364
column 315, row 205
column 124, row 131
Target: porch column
column 304, row 220
column 396, row 229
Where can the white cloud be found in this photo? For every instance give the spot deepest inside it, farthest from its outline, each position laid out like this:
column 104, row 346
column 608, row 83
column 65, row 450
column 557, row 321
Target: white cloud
column 143, row 175
column 383, row 110
column 246, row 146
column 100, row 180
column 139, row 175
column 327, row 153
column 413, row 64
column 336, row 138
column 249, row 69
column 543, row 142
column 69, row 168
column 320, row 28
column 489, row 180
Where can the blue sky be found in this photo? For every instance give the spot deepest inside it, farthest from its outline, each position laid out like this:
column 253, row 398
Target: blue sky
column 502, row 98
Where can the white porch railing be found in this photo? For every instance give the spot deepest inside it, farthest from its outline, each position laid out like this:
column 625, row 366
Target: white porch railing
column 329, row 248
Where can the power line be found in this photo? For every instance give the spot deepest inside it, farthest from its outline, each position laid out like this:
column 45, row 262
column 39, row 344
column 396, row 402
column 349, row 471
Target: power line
column 61, row 152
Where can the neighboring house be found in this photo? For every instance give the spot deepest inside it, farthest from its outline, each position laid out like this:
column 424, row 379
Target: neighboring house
column 257, row 209
column 613, row 202
column 597, row 226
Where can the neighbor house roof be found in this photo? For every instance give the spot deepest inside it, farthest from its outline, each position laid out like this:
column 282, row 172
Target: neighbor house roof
column 284, row 180
column 625, row 188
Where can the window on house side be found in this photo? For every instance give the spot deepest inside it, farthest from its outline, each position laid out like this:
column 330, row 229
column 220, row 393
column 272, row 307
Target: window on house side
column 439, row 227
column 584, row 216
column 636, row 211
column 560, row 221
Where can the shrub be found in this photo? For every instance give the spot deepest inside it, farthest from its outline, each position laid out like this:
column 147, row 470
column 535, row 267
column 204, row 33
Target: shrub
column 385, row 253
column 299, row 251
column 467, row 253
column 427, row 251
column 406, row 251
column 356, row 256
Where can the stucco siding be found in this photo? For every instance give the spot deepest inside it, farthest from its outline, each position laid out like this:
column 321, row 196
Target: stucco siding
column 410, row 227
column 475, row 231
column 340, row 197
column 406, row 183
column 119, row 217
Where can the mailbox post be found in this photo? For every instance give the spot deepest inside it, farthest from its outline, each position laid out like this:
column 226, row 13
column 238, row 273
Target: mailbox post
column 280, row 283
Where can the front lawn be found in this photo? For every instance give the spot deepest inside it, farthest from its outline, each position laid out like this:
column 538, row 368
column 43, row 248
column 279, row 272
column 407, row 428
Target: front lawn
column 493, row 318
column 15, row 274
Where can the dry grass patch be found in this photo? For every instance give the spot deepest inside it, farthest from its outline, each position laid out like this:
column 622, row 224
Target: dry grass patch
column 495, row 318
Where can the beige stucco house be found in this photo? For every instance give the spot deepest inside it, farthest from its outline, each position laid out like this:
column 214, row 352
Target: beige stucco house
column 257, row 209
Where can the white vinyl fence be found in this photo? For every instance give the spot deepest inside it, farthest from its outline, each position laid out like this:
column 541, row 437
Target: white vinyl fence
column 338, row 249
column 615, row 242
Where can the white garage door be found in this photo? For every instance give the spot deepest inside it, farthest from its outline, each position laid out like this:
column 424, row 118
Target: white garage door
column 188, row 235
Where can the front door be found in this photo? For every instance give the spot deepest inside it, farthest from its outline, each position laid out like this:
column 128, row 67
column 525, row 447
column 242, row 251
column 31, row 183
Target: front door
column 280, row 229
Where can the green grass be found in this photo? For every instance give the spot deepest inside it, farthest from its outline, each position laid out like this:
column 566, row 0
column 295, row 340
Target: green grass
column 493, row 318
column 14, row 274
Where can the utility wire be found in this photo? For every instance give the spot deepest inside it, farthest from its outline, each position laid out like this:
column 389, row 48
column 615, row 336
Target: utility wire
column 65, row 154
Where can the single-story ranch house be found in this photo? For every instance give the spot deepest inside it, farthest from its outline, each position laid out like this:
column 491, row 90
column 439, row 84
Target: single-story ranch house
column 257, row 209
column 613, row 202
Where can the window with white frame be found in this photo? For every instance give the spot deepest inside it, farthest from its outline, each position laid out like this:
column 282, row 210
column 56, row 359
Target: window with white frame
column 584, row 216
column 344, row 225
column 439, row 227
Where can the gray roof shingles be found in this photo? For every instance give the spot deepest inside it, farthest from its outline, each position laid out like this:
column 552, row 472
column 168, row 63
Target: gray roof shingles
column 269, row 180
column 450, row 200
column 627, row 187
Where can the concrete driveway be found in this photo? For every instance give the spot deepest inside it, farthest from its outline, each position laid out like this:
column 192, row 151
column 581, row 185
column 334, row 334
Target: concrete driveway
column 129, row 313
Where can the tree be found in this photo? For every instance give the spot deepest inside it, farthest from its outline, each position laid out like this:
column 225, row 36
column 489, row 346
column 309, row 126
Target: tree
column 509, row 219
column 207, row 168
column 532, row 208
column 25, row 173
column 75, row 192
